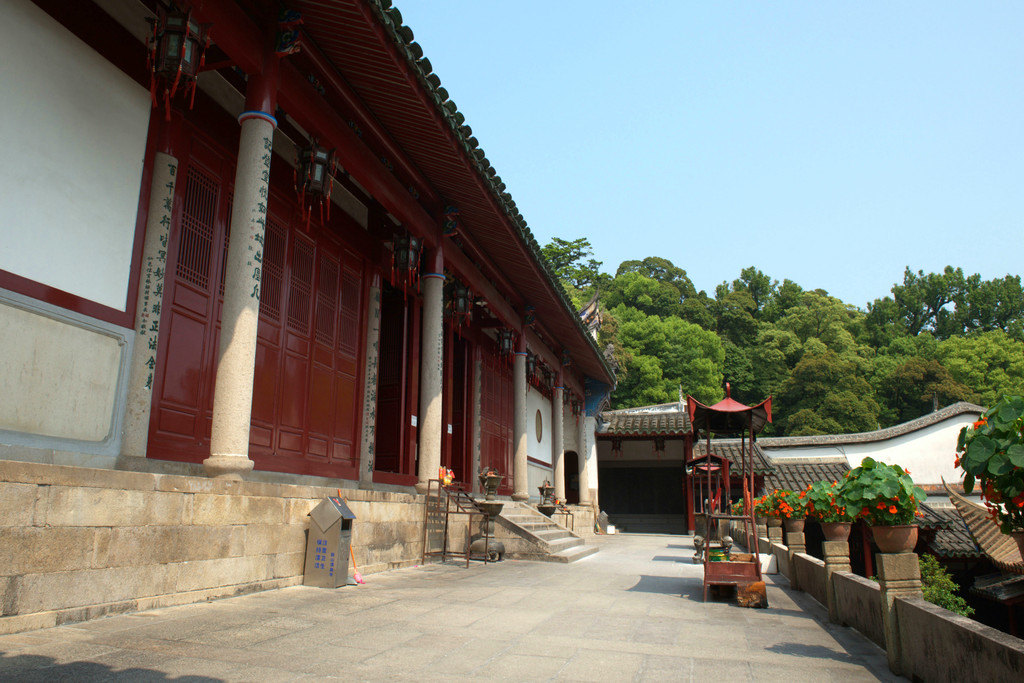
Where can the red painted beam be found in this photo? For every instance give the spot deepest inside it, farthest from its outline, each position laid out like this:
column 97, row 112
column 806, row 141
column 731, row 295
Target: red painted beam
column 233, row 32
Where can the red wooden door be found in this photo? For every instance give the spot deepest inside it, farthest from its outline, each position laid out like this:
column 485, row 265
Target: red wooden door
column 496, row 415
column 183, row 377
column 306, row 411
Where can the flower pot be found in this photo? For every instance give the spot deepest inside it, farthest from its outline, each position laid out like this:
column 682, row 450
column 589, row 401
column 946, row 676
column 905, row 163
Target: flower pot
column 836, row 531
column 898, row 538
column 794, row 525
column 1018, row 535
column 774, row 521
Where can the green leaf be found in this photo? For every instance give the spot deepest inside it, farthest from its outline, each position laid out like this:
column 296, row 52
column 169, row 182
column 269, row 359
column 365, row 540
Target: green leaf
column 1016, row 454
column 1007, row 413
column 999, row 465
column 981, row 449
column 968, row 483
column 961, row 439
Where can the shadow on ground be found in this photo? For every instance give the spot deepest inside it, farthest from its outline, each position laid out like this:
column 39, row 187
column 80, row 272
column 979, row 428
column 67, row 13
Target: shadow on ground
column 40, row 668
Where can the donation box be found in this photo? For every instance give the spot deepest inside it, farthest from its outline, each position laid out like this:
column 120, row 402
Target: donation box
column 327, row 547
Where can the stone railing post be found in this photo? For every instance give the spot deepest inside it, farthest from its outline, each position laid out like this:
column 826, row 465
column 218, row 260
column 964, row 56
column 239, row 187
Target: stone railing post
column 796, row 543
column 837, row 559
column 899, row 576
column 761, row 527
column 775, row 530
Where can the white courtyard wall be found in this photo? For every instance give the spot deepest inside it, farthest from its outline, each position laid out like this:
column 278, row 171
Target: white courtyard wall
column 73, row 143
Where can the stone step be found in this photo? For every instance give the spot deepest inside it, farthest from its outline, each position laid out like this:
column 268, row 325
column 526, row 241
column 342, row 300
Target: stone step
column 573, row 554
column 550, row 535
column 564, row 543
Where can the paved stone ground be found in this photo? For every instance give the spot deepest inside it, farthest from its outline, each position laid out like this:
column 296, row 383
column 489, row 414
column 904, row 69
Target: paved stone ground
column 632, row 612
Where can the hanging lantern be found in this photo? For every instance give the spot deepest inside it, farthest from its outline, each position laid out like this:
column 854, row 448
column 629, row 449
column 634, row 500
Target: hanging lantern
column 460, row 302
column 314, row 178
column 659, row 446
column 566, row 359
column 405, row 259
column 506, row 342
column 617, row 446
column 531, row 365
column 177, row 51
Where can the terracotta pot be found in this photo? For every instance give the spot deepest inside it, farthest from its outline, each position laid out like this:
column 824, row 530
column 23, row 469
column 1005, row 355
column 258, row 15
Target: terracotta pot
column 794, row 525
column 898, row 538
column 836, row 531
column 1018, row 535
column 774, row 521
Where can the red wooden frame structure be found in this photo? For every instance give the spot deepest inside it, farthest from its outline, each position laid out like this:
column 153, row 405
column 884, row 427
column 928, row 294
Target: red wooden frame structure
column 730, row 418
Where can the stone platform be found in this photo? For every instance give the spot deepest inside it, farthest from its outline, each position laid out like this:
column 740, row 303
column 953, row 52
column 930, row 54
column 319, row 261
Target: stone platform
column 631, row 612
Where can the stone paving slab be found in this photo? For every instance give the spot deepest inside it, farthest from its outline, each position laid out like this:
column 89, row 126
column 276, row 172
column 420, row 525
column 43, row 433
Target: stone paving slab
column 633, row 612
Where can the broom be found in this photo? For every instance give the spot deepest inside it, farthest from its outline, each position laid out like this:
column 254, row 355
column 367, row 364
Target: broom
column 356, row 576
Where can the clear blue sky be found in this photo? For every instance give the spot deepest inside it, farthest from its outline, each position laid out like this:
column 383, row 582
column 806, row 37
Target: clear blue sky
column 831, row 143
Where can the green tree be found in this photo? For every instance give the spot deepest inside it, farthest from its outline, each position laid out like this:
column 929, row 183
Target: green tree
column 635, row 290
column 826, row 394
column 571, row 261
column 990, row 363
column 909, row 389
column 662, row 354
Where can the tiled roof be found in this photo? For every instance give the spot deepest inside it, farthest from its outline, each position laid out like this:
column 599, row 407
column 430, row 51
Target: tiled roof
column 999, row 547
column 999, row 587
column 953, row 539
column 730, row 450
column 770, row 442
column 625, row 423
column 795, row 474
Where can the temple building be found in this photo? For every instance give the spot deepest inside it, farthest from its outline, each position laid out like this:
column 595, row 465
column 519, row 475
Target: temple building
column 248, row 242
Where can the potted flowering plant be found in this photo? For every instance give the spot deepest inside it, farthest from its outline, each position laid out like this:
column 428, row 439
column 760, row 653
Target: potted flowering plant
column 888, row 499
column 826, row 503
column 793, row 509
column 770, row 506
column 991, row 454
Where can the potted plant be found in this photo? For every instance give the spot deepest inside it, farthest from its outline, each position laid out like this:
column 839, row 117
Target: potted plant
column 770, row 506
column 991, row 454
column 888, row 499
column 826, row 503
column 794, row 510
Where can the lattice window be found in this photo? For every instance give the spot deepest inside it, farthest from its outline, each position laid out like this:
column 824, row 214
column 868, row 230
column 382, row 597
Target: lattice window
column 351, row 286
column 272, row 280
column 197, row 225
column 301, row 285
column 326, row 300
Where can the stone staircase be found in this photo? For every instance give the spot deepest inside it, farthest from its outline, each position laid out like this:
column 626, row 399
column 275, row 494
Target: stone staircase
column 529, row 535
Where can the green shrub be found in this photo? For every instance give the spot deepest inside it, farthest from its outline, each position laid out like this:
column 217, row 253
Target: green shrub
column 939, row 587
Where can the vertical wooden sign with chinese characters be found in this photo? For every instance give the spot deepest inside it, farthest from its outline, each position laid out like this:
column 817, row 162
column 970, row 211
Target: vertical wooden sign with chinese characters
column 148, row 306
column 369, row 436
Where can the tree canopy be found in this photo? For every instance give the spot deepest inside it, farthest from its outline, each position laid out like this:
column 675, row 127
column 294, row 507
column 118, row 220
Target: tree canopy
column 831, row 367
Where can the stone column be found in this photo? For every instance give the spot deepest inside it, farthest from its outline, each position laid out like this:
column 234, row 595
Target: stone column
column 761, row 525
column 557, row 444
column 837, row 559
column 899, row 576
column 431, row 367
column 796, row 544
column 520, row 464
column 584, row 455
column 775, row 530
column 232, row 394
column 147, row 308
column 475, row 420
column 370, row 372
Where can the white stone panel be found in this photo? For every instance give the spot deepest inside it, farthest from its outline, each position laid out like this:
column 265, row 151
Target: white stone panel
column 59, row 380
column 538, row 424
column 73, row 133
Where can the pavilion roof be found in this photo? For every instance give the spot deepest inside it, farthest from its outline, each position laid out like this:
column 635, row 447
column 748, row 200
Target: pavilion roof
column 375, row 54
column 999, row 547
column 730, row 450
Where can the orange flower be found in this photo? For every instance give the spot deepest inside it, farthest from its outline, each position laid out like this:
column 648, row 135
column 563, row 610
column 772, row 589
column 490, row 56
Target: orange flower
column 981, row 423
column 892, row 509
column 881, row 506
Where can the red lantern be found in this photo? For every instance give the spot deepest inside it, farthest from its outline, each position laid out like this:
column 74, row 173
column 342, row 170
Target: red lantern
column 314, row 172
column 177, row 51
column 405, row 260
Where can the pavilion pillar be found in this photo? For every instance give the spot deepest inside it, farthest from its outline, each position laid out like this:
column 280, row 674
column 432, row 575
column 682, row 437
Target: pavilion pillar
column 474, row 403
column 520, row 463
column 837, row 559
column 584, row 456
column 557, row 443
column 899, row 576
column 232, row 394
column 147, row 308
column 370, row 372
column 431, row 367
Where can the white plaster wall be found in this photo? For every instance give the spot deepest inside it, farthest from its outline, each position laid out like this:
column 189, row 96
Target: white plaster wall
column 73, row 133
column 591, row 449
column 59, row 380
column 928, row 452
column 570, row 430
column 538, row 449
column 536, row 476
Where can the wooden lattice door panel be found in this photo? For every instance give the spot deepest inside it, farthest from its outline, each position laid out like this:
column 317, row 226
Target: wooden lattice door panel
column 496, row 415
column 183, row 375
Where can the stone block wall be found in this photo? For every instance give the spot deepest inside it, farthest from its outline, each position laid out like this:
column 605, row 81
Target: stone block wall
column 810, row 576
column 77, row 543
column 859, row 603
column 938, row 645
